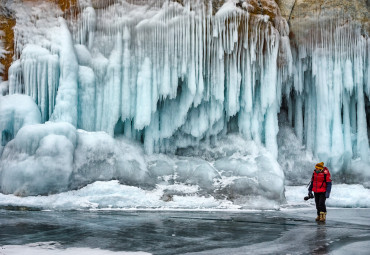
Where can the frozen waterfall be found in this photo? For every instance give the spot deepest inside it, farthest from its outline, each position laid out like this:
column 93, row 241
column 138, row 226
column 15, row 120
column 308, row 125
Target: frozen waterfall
column 170, row 76
column 175, row 79
column 329, row 90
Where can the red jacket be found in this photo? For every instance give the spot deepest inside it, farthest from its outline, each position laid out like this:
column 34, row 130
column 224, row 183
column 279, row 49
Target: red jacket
column 318, row 182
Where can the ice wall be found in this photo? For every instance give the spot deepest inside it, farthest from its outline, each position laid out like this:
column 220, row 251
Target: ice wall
column 330, row 87
column 172, row 75
column 168, row 75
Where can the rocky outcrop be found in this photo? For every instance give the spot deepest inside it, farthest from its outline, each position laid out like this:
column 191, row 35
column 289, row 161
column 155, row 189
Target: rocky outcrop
column 305, row 16
column 286, row 7
column 7, row 23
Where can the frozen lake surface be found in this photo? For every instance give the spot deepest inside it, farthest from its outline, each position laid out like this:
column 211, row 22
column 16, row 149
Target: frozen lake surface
column 288, row 231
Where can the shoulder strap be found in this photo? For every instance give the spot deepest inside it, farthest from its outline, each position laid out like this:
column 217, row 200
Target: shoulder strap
column 324, row 180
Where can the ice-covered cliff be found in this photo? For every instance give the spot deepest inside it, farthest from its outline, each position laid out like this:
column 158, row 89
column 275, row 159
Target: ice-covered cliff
column 183, row 78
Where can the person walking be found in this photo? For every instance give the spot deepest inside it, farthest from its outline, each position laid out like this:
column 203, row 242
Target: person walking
column 321, row 186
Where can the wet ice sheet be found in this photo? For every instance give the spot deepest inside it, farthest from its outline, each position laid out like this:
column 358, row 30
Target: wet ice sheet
column 292, row 231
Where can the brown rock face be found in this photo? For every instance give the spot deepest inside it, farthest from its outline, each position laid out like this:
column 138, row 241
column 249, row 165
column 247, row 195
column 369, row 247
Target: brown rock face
column 305, row 17
column 7, row 22
column 6, row 25
column 286, row 7
column 64, row 4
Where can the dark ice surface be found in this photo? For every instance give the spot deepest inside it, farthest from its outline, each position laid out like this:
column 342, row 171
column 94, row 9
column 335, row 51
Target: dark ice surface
column 289, row 231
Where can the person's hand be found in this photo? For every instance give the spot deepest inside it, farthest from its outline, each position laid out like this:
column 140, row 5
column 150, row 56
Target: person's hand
column 327, row 194
column 310, row 194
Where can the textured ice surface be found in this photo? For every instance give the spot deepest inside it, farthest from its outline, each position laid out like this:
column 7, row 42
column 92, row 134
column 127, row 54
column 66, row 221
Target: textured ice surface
column 112, row 195
column 39, row 160
column 168, row 75
column 4, row 88
column 16, row 111
column 296, row 162
column 55, row 157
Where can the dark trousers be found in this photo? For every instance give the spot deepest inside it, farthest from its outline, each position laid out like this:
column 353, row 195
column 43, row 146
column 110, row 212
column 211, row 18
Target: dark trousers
column 320, row 202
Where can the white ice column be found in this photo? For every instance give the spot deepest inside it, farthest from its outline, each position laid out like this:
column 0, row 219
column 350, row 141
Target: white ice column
column 66, row 100
column 359, row 67
column 86, row 99
column 16, row 85
column 143, row 99
column 112, row 88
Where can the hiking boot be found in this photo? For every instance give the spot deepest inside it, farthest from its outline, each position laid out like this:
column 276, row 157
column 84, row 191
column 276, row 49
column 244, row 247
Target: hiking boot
column 322, row 216
column 317, row 218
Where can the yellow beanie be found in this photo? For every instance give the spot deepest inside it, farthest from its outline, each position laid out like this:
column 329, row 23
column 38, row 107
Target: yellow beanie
column 320, row 165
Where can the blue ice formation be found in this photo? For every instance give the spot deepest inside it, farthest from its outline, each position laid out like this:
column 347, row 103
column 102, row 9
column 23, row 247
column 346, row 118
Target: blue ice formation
column 174, row 77
column 169, row 76
column 328, row 93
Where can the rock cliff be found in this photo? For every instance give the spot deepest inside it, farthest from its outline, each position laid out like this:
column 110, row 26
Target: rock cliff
column 305, row 16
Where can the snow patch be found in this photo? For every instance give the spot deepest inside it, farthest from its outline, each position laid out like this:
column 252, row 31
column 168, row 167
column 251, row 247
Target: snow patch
column 50, row 248
column 342, row 195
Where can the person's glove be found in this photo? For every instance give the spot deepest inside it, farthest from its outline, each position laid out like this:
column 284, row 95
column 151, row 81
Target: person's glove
column 327, row 194
column 310, row 195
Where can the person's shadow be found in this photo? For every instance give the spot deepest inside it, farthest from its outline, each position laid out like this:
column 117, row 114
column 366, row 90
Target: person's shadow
column 321, row 243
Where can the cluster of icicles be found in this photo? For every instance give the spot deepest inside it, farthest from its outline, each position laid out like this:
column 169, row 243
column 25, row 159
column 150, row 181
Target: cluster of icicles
column 171, row 76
